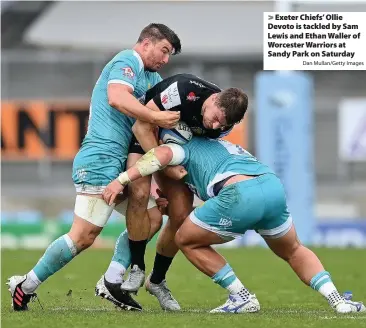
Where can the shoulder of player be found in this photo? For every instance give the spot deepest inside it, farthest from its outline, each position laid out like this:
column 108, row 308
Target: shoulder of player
column 191, row 81
column 201, row 141
column 130, row 56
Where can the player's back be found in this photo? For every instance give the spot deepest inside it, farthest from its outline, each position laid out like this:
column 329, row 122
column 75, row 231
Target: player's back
column 182, row 79
column 210, row 161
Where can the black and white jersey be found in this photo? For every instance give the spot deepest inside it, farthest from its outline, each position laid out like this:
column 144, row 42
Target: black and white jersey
column 186, row 93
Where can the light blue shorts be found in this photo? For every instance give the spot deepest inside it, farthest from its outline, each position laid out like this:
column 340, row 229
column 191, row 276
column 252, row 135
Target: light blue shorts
column 257, row 204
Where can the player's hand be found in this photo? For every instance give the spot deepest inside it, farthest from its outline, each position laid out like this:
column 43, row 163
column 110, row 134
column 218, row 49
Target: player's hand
column 175, row 172
column 112, row 191
column 167, row 120
column 162, row 202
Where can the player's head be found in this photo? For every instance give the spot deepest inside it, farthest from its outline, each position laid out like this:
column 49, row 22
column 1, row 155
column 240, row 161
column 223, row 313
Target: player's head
column 155, row 44
column 224, row 108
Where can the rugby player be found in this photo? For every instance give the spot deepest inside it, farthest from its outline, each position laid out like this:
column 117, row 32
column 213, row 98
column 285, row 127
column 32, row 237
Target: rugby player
column 240, row 194
column 114, row 107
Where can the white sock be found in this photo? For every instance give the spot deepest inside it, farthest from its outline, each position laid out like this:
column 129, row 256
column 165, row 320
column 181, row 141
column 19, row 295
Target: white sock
column 115, row 273
column 31, row 283
column 327, row 289
column 237, row 288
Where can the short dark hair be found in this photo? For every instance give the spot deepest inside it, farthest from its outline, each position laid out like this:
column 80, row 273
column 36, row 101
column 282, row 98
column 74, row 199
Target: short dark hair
column 234, row 103
column 157, row 32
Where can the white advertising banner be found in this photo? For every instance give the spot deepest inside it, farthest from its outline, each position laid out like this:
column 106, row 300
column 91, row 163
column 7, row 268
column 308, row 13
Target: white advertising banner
column 352, row 129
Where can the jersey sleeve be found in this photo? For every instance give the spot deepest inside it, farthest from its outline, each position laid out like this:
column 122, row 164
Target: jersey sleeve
column 125, row 71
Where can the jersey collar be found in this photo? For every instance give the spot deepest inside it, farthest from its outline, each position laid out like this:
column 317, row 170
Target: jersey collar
column 141, row 63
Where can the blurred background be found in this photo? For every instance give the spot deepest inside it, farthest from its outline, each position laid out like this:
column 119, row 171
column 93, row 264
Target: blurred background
column 52, row 53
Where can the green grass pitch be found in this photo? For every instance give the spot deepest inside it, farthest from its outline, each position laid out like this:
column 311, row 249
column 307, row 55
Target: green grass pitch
column 285, row 301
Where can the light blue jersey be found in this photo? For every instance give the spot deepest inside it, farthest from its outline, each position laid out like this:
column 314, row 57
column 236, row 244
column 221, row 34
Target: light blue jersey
column 255, row 204
column 104, row 150
column 209, row 161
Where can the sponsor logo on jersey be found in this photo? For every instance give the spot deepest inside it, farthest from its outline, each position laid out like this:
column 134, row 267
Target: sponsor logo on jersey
column 197, row 83
column 164, row 99
column 192, row 97
column 170, row 96
column 128, row 72
column 234, row 149
column 81, row 174
column 202, row 85
column 224, row 222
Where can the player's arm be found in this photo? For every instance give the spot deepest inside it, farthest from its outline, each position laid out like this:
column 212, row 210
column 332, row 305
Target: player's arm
column 122, row 81
column 145, row 132
column 121, row 98
column 154, row 160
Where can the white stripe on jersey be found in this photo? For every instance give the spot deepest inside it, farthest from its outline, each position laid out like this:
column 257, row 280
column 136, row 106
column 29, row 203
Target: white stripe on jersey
column 122, row 82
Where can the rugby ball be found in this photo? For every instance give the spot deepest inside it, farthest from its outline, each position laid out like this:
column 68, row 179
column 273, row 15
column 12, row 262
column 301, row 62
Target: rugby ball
column 181, row 134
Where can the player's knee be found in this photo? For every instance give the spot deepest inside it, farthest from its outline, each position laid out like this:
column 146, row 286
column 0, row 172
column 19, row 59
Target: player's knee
column 138, row 193
column 290, row 250
column 178, row 212
column 179, row 239
column 156, row 219
column 83, row 233
column 294, row 248
column 174, row 225
column 182, row 239
column 87, row 240
column 84, row 239
column 177, row 217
